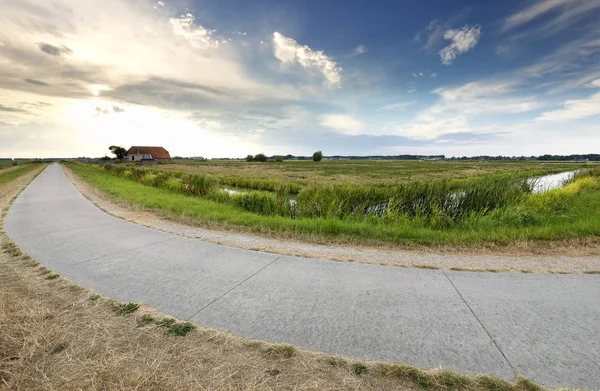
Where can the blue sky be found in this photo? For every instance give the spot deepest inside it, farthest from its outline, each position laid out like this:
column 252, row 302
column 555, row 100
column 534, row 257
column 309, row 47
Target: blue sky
column 230, row 78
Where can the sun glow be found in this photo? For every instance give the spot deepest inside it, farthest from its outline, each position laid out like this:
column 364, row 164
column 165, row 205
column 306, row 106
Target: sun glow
column 103, row 123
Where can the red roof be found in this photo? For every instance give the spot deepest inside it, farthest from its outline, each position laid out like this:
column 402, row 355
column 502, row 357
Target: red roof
column 156, row 152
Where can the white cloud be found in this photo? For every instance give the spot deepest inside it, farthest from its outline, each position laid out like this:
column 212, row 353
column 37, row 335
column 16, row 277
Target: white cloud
column 360, row 49
column 463, row 40
column 434, row 129
column 476, row 89
column 161, row 3
column 398, row 106
column 288, row 51
column 434, row 75
column 342, row 123
column 575, row 109
column 479, row 98
column 532, row 12
column 197, row 35
column 568, row 12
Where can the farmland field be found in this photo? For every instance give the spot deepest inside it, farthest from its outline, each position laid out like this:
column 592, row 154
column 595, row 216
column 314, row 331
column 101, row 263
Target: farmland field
column 365, row 172
column 495, row 206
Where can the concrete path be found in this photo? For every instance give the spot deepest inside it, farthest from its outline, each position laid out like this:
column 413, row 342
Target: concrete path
column 546, row 327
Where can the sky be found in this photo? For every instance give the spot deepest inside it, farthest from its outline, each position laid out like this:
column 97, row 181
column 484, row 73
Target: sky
column 349, row 77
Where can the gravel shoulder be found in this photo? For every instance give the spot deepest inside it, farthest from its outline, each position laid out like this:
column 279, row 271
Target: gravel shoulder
column 560, row 258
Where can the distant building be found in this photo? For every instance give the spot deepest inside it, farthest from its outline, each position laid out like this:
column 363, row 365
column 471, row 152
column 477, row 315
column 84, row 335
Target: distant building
column 136, row 153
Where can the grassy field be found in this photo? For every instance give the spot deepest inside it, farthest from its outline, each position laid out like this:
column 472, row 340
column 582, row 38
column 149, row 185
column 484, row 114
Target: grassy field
column 12, row 173
column 365, row 172
column 496, row 209
column 5, row 164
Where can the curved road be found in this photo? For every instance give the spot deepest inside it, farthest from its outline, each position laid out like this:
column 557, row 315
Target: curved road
column 546, row 327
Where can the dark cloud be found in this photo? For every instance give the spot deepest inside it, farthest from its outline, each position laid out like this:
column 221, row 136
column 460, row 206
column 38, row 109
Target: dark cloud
column 118, row 109
column 12, row 109
column 54, row 50
column 36, row 82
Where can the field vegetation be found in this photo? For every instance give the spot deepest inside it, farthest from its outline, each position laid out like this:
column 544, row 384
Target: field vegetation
column 497, row 207
column 365, row 172
column 9, row 174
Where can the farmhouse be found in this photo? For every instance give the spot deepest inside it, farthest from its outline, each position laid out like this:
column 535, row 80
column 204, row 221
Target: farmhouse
column 137, row 153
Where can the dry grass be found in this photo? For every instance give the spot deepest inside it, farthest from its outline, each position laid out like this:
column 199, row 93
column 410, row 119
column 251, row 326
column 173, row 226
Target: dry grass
column 55, row 335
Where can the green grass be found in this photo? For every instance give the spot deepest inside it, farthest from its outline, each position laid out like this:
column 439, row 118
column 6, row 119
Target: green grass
column 359, row 368
column 566, row 213
column 145, row 319
column 11, row 174
column 362, row 172
column 125, row 308
column 179, row 329
column 52, row 276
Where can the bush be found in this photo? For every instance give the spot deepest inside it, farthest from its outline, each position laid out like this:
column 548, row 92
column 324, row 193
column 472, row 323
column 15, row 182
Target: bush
column 317, row 156
column 249, row 158
column 279, row 159
column 261, row 157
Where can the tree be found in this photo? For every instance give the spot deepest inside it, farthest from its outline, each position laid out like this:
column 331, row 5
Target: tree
column 261, row 157
column 279, row 159
column 249, row 158
column 317, row 156
column 119, row 152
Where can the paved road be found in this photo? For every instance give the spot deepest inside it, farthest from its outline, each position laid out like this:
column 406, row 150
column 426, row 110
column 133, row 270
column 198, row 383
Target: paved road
column 544, row 326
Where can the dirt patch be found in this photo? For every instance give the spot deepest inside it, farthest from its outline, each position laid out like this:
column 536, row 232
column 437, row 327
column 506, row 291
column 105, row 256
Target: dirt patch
column 577, row 256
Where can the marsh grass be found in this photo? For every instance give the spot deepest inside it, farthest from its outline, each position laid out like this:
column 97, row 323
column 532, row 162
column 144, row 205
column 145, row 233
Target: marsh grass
column 498, row 209
column 441, row 202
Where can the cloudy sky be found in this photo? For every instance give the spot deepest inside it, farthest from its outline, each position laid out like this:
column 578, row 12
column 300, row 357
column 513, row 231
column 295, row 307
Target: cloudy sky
column 233, row 77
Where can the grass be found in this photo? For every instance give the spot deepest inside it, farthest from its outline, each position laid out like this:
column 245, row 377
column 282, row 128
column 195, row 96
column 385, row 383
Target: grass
column 363, row 172
column 52, row 276
column 179, row 329
column 285, row 351
column 11, row 174
column 564, row 214
column 145, row 319
column 359, row 368
column 125, row 308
